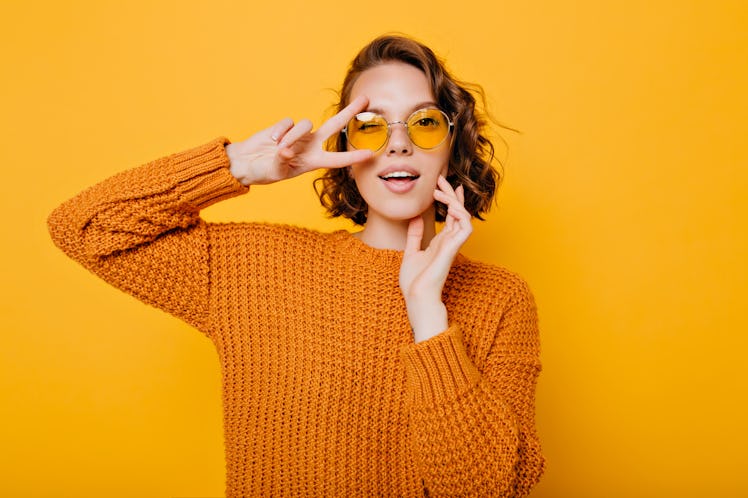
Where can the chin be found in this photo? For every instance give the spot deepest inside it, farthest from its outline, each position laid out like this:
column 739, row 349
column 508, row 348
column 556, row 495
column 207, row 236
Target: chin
column 401, row 213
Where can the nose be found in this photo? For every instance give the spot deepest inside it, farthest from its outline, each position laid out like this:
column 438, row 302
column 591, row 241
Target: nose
column 399, row 141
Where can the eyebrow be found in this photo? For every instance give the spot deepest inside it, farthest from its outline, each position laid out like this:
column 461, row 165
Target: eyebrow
column 420, row 105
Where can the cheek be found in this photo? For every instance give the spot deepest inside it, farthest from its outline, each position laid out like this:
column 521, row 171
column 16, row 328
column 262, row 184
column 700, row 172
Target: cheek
column 363, row 178
column 445, row 163
column 359, row 170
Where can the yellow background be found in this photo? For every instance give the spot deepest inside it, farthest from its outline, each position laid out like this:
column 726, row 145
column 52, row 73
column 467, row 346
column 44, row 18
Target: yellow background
column 624, row 206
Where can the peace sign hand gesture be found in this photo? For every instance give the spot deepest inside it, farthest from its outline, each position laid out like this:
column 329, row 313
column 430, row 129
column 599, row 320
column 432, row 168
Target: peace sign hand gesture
column 286, row 150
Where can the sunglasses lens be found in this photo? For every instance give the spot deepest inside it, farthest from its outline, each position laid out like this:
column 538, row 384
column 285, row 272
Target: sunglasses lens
column 428, row 128
column 367, row 130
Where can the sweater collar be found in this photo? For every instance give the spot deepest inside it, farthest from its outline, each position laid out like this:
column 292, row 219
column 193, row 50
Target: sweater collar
column 386, row 259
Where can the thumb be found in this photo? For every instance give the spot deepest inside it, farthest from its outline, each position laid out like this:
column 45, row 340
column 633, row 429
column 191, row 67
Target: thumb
column 415, row 235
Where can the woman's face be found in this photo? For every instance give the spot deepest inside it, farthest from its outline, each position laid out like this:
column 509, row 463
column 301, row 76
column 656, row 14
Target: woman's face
column 394, row 91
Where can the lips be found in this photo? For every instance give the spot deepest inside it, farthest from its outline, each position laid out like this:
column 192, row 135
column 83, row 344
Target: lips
column 399, row 179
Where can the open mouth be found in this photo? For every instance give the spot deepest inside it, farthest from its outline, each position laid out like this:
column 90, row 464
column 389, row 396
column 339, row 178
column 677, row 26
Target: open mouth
column 399, row 177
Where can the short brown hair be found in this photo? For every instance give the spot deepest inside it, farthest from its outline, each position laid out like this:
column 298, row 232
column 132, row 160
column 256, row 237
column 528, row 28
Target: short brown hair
column 472, row 153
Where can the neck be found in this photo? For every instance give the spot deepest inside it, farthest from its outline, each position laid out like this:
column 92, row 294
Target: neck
column 383, row 233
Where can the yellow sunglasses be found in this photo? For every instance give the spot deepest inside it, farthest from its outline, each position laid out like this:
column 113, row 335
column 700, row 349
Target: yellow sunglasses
column 427, row 129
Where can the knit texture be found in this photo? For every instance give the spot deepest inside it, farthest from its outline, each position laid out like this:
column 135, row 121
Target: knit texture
column 324, row 391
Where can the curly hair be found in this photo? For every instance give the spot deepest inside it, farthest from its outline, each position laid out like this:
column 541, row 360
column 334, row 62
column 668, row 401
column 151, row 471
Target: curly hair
column 471, row 157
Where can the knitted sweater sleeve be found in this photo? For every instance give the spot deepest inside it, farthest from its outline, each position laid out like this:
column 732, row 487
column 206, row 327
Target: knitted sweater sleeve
column 473, row 429
column 140, row 230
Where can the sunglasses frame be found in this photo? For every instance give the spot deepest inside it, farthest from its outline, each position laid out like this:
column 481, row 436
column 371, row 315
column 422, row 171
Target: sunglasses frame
column 407, row 128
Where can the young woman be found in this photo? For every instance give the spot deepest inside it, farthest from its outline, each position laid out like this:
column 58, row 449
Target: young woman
column 381, row 362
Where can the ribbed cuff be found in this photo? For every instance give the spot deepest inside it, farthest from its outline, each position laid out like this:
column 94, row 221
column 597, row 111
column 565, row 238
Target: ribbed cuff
column 203, row 174
column 438, row 369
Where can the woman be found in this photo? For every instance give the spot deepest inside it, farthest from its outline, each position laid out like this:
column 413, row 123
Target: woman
column 375, row 363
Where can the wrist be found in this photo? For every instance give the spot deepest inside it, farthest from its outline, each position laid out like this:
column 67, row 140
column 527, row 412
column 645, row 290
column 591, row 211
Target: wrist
column 236, row 171
column 427, row 318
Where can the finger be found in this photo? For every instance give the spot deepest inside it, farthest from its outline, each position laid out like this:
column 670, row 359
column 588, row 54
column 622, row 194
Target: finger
column 449, row 222
column 456, row 212
column 338, row 122
column 445, row 199
column 279, row 129
column 286, row 153
column 343, row 159
column 462, row 219
column 445, row 186
column 445, row 246
column 459, row 213
column 415, row 235
column 300, row 129
column 460, row 194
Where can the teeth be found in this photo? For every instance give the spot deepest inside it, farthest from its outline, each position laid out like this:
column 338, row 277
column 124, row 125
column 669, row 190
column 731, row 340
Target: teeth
column 398, row 174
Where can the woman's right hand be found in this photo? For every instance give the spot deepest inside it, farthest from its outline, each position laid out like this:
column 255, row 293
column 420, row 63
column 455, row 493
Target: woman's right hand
column 286, row 150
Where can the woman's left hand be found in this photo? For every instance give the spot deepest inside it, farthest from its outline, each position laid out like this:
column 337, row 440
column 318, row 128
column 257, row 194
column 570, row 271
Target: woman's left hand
column 424, row 271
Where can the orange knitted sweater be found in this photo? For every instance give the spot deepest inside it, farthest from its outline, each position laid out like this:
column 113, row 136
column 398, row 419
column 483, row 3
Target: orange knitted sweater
column 324, row 391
